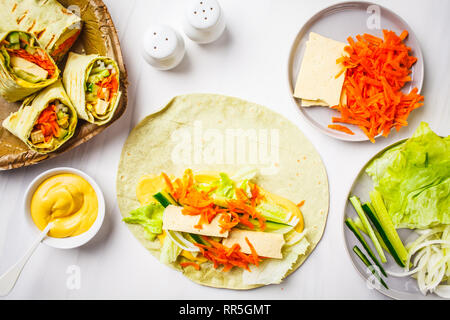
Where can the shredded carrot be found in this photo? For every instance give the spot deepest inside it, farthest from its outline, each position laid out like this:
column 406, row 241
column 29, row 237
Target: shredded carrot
column 65, row 46
column 47, row 123
column 376, row 71
column 39, row 57
column 109, row 83
column 192, row 264
column 199, row 202
column 341, row 128
column 219, row 254
column 301, row 203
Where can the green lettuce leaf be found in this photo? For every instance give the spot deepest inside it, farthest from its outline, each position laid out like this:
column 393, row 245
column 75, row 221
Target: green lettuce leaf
column 149, row 217
column 414, row 180
column 169, row 251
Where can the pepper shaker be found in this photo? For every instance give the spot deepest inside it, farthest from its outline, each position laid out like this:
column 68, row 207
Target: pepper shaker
column 163, row 47
column 204, row 21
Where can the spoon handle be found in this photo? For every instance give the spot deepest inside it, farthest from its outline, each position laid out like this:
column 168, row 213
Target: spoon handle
column 9, row 278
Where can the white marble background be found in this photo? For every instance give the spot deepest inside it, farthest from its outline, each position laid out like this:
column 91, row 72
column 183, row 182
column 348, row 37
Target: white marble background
column 249, row 61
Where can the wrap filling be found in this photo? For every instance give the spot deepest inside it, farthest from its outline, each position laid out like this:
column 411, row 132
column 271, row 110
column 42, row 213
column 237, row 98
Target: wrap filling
column 101, row 89
column 52, row 125
column 25, row 59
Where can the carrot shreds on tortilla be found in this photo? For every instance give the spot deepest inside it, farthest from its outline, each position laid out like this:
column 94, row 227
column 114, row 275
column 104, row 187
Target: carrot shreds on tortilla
column 198, row 202
column 47, row 123
column 192, row 264
column 219, row 255
column 376, row 71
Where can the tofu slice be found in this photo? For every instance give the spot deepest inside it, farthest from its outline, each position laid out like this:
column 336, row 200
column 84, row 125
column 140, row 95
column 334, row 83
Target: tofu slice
column 101, row 106
column 316, row 80
column 29, row 67
column 174, row 219
column 313, row 103
column 266, row 244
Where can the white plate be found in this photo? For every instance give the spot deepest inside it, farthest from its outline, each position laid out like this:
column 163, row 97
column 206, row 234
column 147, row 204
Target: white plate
column 399, row 288
column 339, row 22
column 69, row 242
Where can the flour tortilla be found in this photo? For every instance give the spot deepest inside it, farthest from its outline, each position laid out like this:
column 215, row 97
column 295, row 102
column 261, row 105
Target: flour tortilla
column 22, row 122
column 74, row 78
column 300, row 174
column 50, row 21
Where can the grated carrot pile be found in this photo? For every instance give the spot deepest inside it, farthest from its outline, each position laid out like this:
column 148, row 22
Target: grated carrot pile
column 376, row 70
column 199, row 202
column 228, row 257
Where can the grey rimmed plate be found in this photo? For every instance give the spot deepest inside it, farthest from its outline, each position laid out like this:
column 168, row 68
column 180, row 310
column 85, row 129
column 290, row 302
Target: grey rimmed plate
column 338, row 22
column 399, row 288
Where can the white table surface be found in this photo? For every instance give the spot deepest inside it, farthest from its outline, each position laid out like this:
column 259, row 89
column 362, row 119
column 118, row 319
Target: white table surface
column 249, row 61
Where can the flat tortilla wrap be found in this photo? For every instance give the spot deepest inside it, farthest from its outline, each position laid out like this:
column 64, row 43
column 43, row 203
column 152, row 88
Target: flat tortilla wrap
column 198, row 123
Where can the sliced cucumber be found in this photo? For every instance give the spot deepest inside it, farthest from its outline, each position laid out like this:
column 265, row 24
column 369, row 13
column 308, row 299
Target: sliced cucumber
column 370, row 213
column 165, row 199
column 369, row 265
column 13, row 37
column 357, row 205
column 271, row 226
column 14, row 46
column 360, row 226
column 351, row 225
column 198, row 239
column 388, row 227
column 23, row 37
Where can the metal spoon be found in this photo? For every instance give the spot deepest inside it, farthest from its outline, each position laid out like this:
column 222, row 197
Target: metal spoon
column 9, row 278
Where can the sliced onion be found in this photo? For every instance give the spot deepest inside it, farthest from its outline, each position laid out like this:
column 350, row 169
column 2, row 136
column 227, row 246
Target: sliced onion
column 180, row 241
column 296, row 238
column 443, row 291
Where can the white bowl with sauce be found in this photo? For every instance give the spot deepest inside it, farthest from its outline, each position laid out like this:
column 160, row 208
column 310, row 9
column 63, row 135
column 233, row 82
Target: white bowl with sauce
column 72, row 241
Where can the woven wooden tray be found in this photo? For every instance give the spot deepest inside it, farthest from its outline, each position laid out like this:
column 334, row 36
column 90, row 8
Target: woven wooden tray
column 98, row 36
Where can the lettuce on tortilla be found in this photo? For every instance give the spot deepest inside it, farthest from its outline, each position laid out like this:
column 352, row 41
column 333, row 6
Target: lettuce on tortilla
column 414, row 180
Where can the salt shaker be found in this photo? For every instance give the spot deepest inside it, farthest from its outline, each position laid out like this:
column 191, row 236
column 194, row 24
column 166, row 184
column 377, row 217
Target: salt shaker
column 204, row 20
column 163, row 47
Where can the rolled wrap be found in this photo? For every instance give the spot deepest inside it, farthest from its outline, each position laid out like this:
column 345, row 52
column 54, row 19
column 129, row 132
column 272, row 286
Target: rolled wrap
column 75, row 76
column 13, row 88
column 21, row 123
column 56, row 27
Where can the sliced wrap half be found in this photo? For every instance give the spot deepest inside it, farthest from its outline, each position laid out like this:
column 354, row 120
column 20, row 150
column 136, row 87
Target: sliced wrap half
column 45, row 121
column 56, row 27
column 92, row 83
column 215, row 133
column 25, row 67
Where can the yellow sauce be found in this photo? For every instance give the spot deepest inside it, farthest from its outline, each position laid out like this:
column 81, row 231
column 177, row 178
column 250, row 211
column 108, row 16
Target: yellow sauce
column 68, row 201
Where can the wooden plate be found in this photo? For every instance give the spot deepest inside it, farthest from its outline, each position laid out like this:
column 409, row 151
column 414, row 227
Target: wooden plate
column 97, row 36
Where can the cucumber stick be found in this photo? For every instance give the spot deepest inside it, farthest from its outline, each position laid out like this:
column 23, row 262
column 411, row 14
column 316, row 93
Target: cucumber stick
column 351, row 225
column 388, row 226
column 360, row 226
column 357, row 205
column 164, row 198
column 369, row 265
